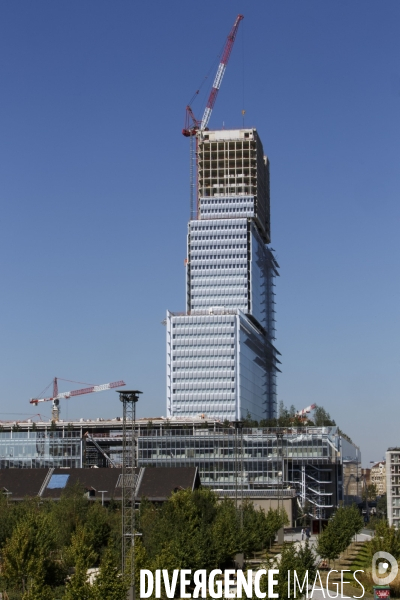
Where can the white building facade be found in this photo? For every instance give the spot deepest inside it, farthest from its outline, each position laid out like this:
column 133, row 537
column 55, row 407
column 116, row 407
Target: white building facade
column 393, row 486
column 221, row 360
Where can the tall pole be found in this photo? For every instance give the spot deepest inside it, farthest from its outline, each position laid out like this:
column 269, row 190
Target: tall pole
column 279, row 452
column 239, row 468
column 129, row 399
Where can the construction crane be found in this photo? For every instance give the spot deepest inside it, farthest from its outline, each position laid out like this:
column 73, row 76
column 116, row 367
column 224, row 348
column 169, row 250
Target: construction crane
column 305, row 411
column 56, row 397
column 193, row 125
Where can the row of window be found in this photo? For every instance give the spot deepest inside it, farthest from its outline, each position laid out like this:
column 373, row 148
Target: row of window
column 199, row 239
column 227, row 298
column 197, row 227
column 194, row 367
column 209, row 377
column 203, row 321
column 229, row 200
column 195, row 353
column 200, row 334
column 213, row 211
column 210, row 342
column 221, row 246
column 219, row 257
column 219, row 266
column 199, row 387
column 204, row 331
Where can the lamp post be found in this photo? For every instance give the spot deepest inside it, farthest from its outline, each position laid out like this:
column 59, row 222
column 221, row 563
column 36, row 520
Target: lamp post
column 129, row 398
column 279, row 453
column 102, row 492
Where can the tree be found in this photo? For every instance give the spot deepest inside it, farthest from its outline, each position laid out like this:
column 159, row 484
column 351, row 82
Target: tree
column 386, row 539
column 225, row 532
column 370, row 492
column 322, row 418
column 381, row 507
column 82, row 556
column 38, row 592
column 345, row 523
column 97, row 525
column 109, row 583
column 27, row 555
column 328, row 545
column 193, row 530
column 301, row 559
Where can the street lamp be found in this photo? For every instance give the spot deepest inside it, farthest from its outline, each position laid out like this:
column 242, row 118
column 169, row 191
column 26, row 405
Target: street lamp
column 102, row 492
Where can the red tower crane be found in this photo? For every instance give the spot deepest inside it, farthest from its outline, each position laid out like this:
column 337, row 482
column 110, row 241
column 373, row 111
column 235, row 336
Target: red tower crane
column 55, row 398
column 193, row 125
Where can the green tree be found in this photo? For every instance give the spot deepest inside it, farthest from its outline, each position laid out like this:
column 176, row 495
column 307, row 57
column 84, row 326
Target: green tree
column 322, row 418
column 38, row 592
column 109, row 584
column 370, row 492
column 225, row 532
column 344, row 524
column 82, row 556
column 328, row 545
column 386, row 539
column 98, row 527
column 27, row 555
column 193, row 530
column 68, row 513
column 301, row 559
column 381, row 507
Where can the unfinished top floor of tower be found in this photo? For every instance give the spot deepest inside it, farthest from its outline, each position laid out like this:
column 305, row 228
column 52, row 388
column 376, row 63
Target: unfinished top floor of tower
column 232, row 164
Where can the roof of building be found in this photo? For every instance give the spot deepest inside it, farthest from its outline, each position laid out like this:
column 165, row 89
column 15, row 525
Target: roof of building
column 154, row 483
column 22, row 482
column 378, row 464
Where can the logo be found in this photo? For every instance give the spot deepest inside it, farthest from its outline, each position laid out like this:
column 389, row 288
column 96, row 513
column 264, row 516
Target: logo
column 382, row 568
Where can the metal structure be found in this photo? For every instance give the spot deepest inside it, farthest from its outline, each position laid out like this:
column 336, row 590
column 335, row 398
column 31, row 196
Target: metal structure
column 56, row 397
column 316, row 462
column 129, row 398
column 305, row 411
column 193, row 125
column 239, row 469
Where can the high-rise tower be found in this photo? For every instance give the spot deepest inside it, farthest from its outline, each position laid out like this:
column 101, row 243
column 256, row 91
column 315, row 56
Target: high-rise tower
column 221, row 360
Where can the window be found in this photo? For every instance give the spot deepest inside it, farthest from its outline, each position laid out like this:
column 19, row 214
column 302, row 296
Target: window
column 57, row 482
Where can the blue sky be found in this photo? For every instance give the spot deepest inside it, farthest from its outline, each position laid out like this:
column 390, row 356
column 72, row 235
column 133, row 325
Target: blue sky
column 94, row 193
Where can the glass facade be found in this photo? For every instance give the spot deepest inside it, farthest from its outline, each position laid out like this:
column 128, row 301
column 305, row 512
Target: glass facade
column 317, row 464
column 43, row 448
column 220, row 357
column 308, row 460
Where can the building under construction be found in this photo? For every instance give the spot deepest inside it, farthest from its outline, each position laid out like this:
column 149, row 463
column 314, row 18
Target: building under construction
column 221, row 359
column 315, row 465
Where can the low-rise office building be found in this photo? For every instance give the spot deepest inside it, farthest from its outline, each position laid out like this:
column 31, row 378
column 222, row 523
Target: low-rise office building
column 316, row 465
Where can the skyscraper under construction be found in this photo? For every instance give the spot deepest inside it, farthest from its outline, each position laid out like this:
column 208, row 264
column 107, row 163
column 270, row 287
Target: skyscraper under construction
column 221, row 360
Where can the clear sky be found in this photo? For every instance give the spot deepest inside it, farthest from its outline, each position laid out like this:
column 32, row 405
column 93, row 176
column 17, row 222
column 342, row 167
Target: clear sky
column 94, row 189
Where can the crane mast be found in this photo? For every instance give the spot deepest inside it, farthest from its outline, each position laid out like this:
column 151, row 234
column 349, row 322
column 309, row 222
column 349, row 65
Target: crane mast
column 220, row 73
column 193, row 125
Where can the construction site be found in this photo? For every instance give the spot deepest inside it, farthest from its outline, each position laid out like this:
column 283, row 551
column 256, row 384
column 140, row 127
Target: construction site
column 314, row 466
column 222, row 361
